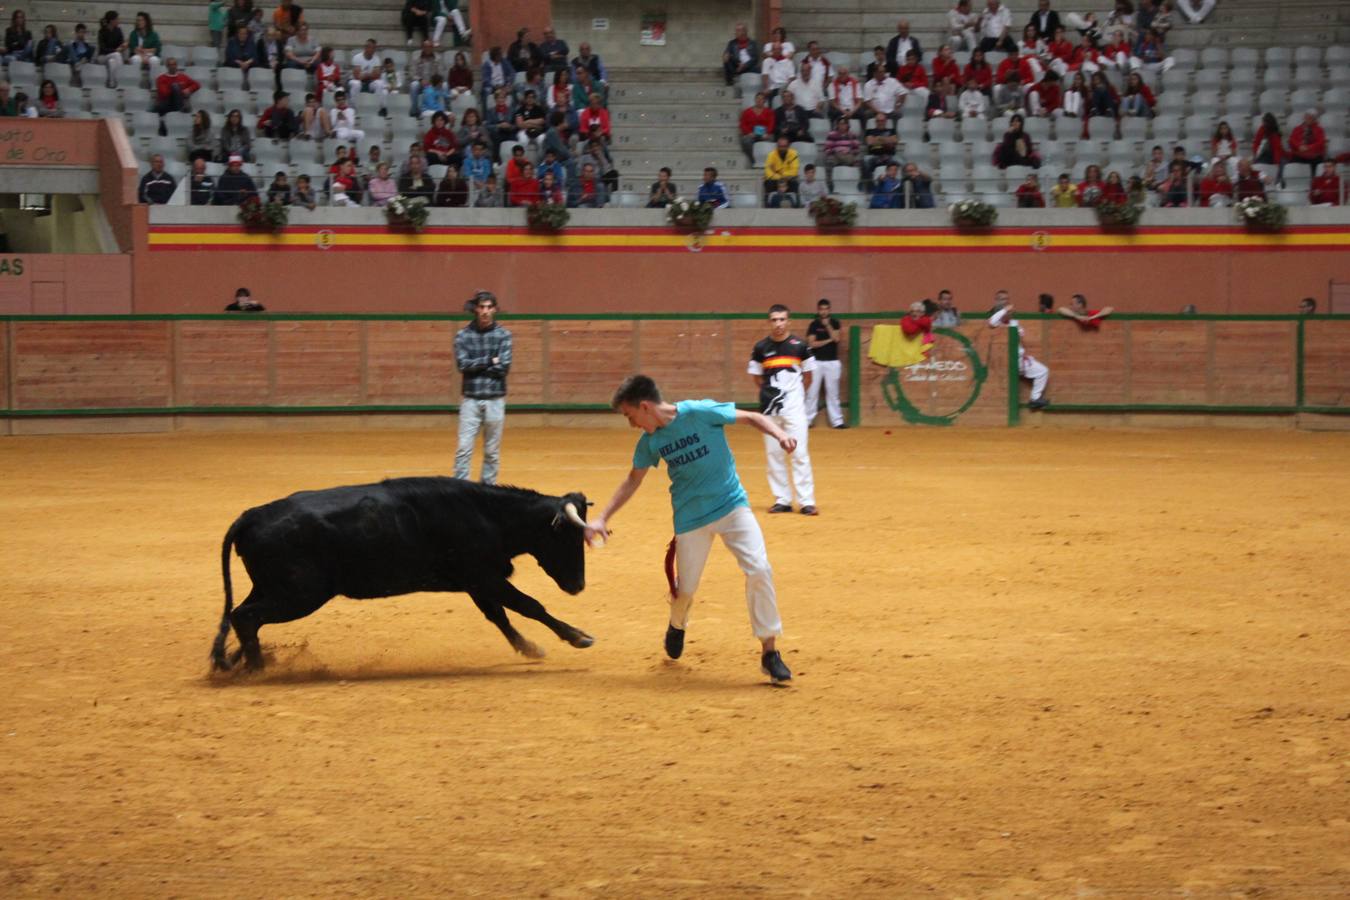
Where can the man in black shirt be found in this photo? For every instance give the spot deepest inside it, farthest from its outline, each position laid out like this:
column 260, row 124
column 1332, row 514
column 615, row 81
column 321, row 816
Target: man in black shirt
column 201, row 187
column 234, row 185
column 781, row 365
column 823, row 336
column 156, row 185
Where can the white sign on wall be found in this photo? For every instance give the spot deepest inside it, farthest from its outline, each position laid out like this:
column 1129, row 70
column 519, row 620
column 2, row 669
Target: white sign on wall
column 599, row 24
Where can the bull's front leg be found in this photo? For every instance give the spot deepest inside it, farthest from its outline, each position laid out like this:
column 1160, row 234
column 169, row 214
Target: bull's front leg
column 486, row 601
column 519, row 602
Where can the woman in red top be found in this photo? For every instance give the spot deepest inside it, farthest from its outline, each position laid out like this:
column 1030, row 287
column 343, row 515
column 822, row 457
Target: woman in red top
column 1268, row 145
column 979, row 70
column 944, row 66
column 460, row 76
column 1114, row 190
column 756, row 125
column 524, row 190
column 1061, row 51
column 49, row 101
column 912, row 75
column 1326, row 188
column 1046, row 96
column 327, row 74
column 1091, row 189
column 439, row 142
column 1084, row 54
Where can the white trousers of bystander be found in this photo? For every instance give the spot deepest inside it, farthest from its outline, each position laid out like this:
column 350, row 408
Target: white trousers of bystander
column 803, row 481
column 827, row 374
column 741, row 534
column 1037, row 371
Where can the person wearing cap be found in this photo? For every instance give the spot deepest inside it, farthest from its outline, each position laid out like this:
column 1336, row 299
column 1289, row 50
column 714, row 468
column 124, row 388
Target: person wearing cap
column 234, row 184
column 483, row 355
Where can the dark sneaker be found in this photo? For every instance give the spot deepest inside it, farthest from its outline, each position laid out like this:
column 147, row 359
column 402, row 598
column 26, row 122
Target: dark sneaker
column 771, row 663
column 674, row 642
column 810, row 511
column 1042, row 403
column 839, row 426
column 780, row 508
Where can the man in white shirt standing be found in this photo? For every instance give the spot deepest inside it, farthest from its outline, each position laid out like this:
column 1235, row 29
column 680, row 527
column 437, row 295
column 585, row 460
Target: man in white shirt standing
column 996, row 28
column 1029, row 366
column 884, row 95
column 808, row 88
column 366, row 65
column 782, row 366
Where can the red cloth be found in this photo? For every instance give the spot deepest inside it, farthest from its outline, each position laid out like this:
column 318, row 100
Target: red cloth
column 326, row 75
column 1091, row 324
column 515, row 170
column 1085, row 186
column 1061, row 50
column 440, row 140
column 1250, row 186
column 946, row 68
column 750, row 117
column 1081, row 55
column 1326, row 189
column 1276, row 145
column 912, row 326
column 164, row 84
column 1026, row 190
column 984, row 76
column 1050, row 94
column 1210, row 187
column 912, row 76
column 1308, row 141
column 1114, row 193
column 522, row 191
column 461, row 77
column 589, row 115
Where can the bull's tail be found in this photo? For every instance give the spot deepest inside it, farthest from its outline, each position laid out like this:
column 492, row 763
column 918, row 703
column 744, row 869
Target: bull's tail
column 218, row 659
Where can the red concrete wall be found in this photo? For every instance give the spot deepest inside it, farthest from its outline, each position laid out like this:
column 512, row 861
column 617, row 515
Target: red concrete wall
column 495, row 22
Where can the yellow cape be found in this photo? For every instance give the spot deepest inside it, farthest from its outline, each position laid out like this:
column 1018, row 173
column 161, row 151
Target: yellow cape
column 891, row 347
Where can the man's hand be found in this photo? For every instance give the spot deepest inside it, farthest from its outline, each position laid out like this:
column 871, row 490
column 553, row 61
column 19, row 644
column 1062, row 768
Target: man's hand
column 788, row 443
column 597, row 532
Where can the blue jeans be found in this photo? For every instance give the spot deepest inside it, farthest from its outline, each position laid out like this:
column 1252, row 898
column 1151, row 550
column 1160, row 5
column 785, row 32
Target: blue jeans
column 486, row 416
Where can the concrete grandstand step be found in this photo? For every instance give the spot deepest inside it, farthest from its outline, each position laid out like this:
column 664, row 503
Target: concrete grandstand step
column 648, row 94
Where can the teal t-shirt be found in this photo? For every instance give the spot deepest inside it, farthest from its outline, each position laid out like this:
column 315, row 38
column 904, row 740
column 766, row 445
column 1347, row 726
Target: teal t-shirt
column 704, row 485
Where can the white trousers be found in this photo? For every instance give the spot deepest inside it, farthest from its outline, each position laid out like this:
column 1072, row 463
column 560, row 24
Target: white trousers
column 378, row 87
column 827, row 373
column 440, row 26
column 740, row 533
column 1196, row 13
column 802, row 479
column 348, row 135
column 1037, row 371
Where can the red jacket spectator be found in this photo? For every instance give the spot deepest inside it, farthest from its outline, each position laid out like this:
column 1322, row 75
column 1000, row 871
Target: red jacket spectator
column 1051, row 97
column 983, row 75
column 589, row 115
column 515, row 169
column 1062, row 50
column 1272, row 140
column 1248, row 185
column 1114, row 193
column 1081, row 55
column 912, row 324
column 1308, row 142
column 1029, row 196
column 1326, row 188
column 750, row 117
column 1216, row 184
column 440, row 141
column 912, row 76
column 165, row 84
column 946, row 68
column 522, row 191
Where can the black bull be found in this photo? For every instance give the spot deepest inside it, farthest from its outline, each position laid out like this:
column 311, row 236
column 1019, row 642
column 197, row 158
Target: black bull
column 396, row 537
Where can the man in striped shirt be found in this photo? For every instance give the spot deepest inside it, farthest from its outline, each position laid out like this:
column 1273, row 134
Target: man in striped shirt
column 782, row 367
column 483, row 355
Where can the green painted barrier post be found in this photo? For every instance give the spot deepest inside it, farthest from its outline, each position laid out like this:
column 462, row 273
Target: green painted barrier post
column 1014, row 374
column 854, row 376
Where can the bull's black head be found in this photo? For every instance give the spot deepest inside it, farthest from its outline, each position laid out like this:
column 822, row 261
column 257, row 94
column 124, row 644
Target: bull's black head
column 561, row 549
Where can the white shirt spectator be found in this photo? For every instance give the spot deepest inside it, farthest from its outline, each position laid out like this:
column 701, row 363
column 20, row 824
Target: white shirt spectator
column 788, row 49
column 848, row 96
column 366, row 65
column 884, row 95
column 809, row 92
column 962, row 27
column 973, row 104
column 344, row 124
column 778, row 71
column 995, row 24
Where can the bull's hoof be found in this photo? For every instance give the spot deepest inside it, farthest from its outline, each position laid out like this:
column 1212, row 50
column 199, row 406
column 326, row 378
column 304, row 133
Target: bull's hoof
column 580, row 639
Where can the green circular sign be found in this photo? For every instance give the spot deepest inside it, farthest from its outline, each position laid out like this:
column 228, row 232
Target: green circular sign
column 965, row 365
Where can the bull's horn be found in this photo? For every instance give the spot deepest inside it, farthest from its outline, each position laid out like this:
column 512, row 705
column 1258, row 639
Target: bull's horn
column 570, row 509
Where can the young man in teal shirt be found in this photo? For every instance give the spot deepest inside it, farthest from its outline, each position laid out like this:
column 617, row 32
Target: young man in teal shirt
column 708, row 501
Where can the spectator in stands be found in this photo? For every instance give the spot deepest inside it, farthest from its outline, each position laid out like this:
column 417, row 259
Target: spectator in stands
column 1150, row 52
column 1077, row 100
column 844, row 96
column 18, row 39
column 1223, row 147
column 996, row 27
column 1092, row 189
column 558, row 96
column 416, row 17
column 26, row 110
column 1307, row 307
column 810, row 188
column 597, row 153
column 1174, row 191
column 242, row 51
column 49, row 49
column 256, row 26
column 111, row 45
column 884, row 96
column 916, row 188
column 781, row 197
column 1116, row 54
column 583, row 85
column 711, row 190
column 390, row 81
column 156, row 185
column 1087, row 319
column 1028, row 193
column 961, row 26
column 272, row 52
column 201, row 186
column 235, row 139
column 432, row 98
column 523, row 188
column 1045, row 20
column 417, row 183
column 1308, row 142
column 279, row 191
column 327, row 73
column 1114, row 190
column 1009, row 97
column 942, row 101
column 1138, row 99
column 554, row 52
column 302, row 51
column 1059, row 53
column 945, row 66
column 1031, row 49
column 1326, row 188
column 594, row 67
column 239, row 15
column 173, row 88
column 777, row 69
column 740, row 56
column 343, row 118
column 973, row 104
column 1155, row 170
column 588, row 191
column 979, row 71
column 515, row 166
column 550, row 190
column 1103, row 97
column 1064, row 195
column 344, row 186
column 914, row 78
column 471, row 130
column 550, row 163
column 596, row 115
column 877, row 64
column 287, row 18
column 244, row 302
column 779, row 36
column 791, row 121
column 1045, row 98
column 1216, row 183
column 314, row 122
column 1017, row 147
column 757, row 124
column 145, row 45
column 201, row 141
column 459, row 79
column 523, row 54
column 531, row 120
column 365, row 69
column 49, row 101
column 439, row 141
column 490, row 196
column 808, row 89
column 841, row 148
column 1085, row 56
column 453, row 190
column 886, row 189
column 234, row 185
column 477, row 166
column 1249, row 182
column 501, row 118
column 80, row 51
column 881, row 141
column 7, row 105
column 424, row 65
column 558, row 141
column 448, row 10
column 816, row 54
column 782, row 164
column 663, row 190
column 1268, row 145
column 899, row 48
